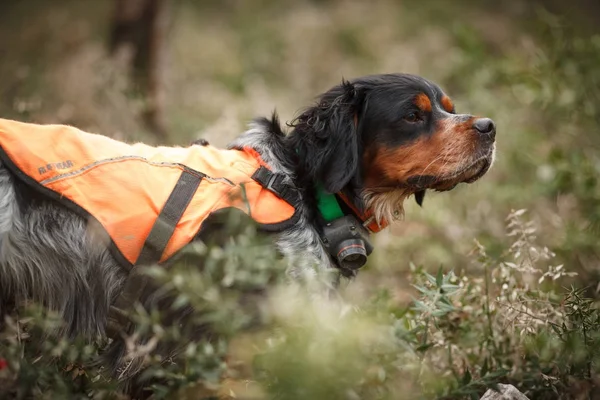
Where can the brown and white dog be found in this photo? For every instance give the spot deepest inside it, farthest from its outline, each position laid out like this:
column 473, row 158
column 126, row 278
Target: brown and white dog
column 371, row 142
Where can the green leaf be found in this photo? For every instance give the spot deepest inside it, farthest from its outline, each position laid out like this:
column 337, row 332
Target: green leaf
column 485, row 367
column 439, row 280
column 450, row 288
column 466, row 378
column 430, row 278
column 423, row 290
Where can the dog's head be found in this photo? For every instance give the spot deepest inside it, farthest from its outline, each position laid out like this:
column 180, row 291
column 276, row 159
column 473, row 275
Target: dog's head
column 382, row 138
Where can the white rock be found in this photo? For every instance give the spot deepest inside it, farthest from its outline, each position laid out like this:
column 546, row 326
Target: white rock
column 507, row 392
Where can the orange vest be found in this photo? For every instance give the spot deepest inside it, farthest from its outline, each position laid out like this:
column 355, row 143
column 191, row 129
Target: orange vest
column 151, row 201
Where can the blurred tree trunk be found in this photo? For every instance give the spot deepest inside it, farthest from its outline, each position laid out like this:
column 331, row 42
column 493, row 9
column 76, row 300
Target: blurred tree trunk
column 138, row 39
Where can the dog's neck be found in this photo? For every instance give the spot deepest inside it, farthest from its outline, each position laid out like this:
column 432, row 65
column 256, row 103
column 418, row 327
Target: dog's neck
column 318, row 207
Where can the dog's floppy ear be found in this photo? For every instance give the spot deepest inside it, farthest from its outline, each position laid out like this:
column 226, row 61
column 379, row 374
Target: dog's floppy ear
column 419, row 196
column 328, row 138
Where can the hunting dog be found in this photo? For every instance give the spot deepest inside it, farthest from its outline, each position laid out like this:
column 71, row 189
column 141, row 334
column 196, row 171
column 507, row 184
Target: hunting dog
column 366, row 146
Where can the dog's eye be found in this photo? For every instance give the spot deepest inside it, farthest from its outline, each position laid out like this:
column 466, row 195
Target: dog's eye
column 412, row 117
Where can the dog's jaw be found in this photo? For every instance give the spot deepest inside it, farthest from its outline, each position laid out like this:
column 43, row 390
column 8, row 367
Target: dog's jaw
column 387, row 203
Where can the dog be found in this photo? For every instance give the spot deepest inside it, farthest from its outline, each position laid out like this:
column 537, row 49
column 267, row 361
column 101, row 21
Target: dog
column 341, row 172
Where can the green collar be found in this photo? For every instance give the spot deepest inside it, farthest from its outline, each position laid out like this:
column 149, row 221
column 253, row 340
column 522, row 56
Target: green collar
column 328, row 205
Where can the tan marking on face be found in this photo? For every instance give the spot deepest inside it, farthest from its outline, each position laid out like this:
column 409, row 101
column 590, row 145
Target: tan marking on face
column 443, row 155
column 423, row 102
column 447, row 103
column 440, row 155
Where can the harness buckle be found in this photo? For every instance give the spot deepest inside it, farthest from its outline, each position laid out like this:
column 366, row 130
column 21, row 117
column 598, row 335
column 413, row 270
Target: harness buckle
column 274, row 182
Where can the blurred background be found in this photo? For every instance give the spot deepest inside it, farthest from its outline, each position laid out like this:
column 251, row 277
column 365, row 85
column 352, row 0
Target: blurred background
column 168, row 71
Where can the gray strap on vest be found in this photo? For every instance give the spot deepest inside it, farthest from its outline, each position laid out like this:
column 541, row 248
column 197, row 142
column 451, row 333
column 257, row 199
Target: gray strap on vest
column 154, row 246
column 169, row 216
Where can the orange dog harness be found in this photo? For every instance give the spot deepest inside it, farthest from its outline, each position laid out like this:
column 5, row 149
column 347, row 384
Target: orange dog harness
column 151, row 201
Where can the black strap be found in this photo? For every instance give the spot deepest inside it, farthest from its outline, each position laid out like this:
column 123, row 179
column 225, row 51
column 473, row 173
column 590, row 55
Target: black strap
column 274, row 183
column 169, row 216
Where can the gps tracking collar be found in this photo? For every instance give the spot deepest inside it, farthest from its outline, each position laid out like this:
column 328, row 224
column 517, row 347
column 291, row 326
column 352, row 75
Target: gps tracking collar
column 344, row 236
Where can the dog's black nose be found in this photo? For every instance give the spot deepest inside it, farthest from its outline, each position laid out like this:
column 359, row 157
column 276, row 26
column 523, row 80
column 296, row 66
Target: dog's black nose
column 485, row 126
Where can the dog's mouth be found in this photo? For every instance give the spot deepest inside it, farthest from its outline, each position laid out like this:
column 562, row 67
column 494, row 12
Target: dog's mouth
column 469, row 173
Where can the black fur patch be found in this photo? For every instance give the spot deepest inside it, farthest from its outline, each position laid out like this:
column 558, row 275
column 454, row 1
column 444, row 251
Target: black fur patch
column 327, row 137
column 421, row 181
column 419, row 196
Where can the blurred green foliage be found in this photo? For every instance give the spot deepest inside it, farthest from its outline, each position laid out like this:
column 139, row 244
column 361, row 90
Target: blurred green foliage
column 459, row 336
